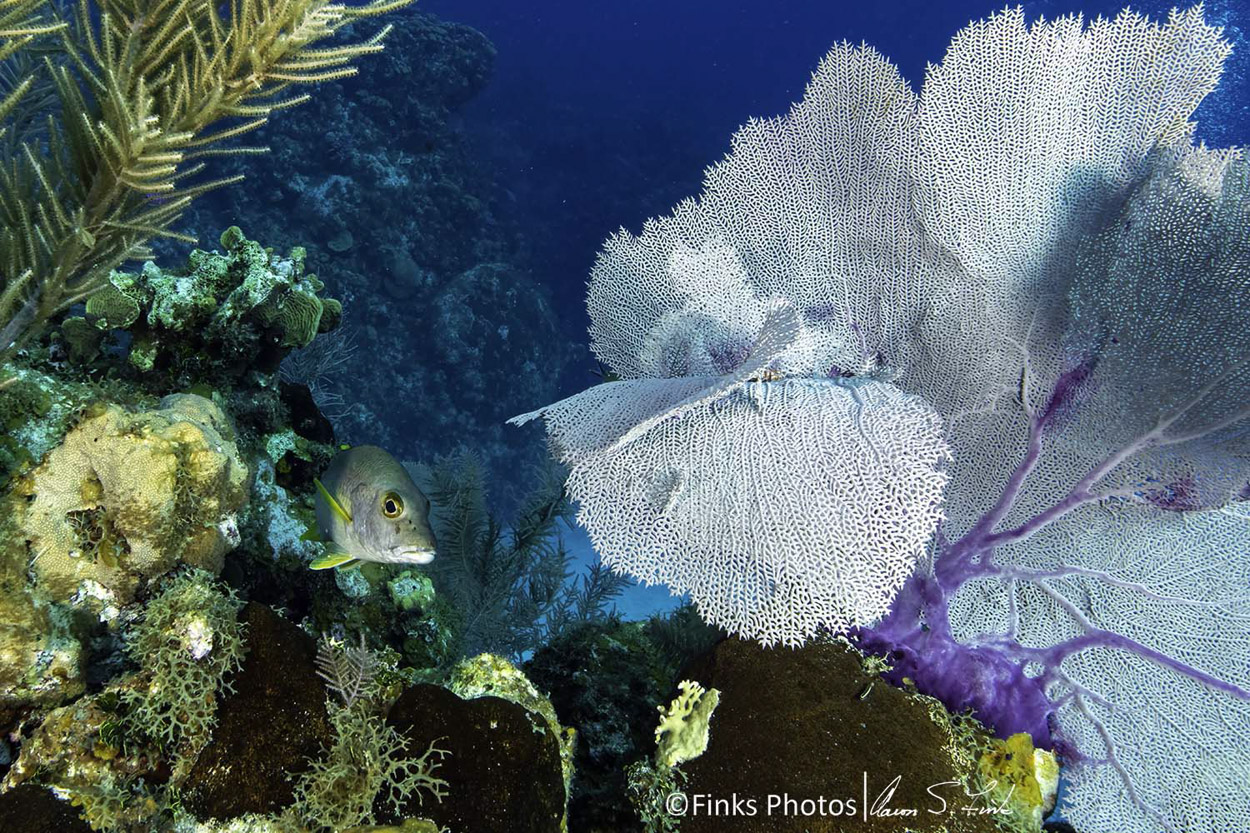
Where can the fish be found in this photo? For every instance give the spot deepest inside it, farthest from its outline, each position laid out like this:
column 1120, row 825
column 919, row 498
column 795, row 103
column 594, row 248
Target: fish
column 369, row 509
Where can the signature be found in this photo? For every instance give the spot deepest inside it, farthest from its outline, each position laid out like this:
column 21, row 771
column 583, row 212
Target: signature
column 880, row 807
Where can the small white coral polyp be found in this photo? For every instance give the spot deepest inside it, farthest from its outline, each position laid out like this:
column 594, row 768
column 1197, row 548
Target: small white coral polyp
column 197, row 637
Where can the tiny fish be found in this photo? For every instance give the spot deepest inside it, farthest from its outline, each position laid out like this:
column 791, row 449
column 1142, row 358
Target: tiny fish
column 368, row 509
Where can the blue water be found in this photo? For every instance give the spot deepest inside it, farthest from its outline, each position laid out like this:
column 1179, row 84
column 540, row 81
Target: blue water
column 601, row 115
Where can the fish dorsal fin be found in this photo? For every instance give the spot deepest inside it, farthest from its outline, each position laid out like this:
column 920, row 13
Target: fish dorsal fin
column 334, row 505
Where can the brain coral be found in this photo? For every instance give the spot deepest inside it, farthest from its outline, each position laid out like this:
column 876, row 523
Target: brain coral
column 127, row 496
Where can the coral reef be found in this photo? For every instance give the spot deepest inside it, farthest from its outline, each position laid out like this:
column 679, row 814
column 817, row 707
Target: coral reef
column 1013, row 359
column 682, row 735
column 1017, row 776
column 41, row 655
column 116, row 168
column 144, row 411
column 187, row 641
column 488, row 675
column 373, row 178
column 285, row 759
column 37, row 408
column 221, row 316
column 32, row 809
column 273, row 725
column 683, row 731
column 127, row 496
column 604, row 678
column 104, row 751
column 367, row 762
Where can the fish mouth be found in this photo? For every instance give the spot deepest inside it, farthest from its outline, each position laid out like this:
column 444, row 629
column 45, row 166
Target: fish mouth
column 413, row 555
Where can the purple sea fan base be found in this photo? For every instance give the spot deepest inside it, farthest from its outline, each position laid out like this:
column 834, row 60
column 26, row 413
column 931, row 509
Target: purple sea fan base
column 1004, row 683
column 916, row 638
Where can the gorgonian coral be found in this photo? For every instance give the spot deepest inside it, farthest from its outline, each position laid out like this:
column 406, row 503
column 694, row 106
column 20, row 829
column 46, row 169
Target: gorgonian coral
column 1033, row 253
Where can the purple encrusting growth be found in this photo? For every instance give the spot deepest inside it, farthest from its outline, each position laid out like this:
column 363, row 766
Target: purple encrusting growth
column 988, row 676
column 1067, row 386
column 1178, row 496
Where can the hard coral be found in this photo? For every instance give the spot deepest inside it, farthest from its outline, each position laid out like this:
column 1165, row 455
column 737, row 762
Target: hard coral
column 100, row 752
column 72, row 752
column 40, row 658
column 221, row 315
column 127, row 496
column 489, row 675
column 683, row 730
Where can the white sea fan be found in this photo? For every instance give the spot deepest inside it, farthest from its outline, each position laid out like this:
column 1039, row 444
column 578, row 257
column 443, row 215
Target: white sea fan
column 1031, row 251
column 813, row 208
column 781, row 507
column 1165, row 748
column 1031, row 139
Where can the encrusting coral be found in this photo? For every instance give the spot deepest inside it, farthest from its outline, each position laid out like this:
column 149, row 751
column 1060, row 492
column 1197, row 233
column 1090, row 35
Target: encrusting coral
column 100, row 751
column 222, row 315
column 128, row 496
column 40, row 657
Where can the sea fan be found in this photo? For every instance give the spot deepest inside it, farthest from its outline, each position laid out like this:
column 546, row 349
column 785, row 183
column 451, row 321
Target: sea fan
column 1030, row 264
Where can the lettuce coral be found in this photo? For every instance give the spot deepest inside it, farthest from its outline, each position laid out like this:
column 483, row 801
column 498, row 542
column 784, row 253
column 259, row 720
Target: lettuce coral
column 127, row 496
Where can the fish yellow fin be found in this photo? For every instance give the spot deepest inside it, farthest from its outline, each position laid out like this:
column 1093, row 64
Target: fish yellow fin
column 333, row 558
column 335, row 506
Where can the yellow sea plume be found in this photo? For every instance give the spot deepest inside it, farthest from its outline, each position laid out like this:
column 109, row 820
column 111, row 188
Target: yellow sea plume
column 128, row 496
column 150, row 92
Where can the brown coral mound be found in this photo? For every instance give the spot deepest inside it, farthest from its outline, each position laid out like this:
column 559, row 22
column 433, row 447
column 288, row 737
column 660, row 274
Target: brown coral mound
column 128, row 496
column 795, row 728
column 504, row 771
column 271, row 727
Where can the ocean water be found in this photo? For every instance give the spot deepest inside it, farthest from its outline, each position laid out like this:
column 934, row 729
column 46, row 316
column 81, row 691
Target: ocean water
column 601, row 116
column 906, row 485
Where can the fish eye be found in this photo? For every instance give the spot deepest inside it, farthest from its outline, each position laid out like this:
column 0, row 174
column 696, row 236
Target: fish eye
column 392, row 505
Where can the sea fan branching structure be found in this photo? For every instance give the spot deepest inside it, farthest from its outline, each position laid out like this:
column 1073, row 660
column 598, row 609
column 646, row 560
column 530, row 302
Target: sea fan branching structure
column 966, row 375
column 149, row 91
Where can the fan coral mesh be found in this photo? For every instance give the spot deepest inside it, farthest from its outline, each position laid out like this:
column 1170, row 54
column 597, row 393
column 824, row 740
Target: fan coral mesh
column 780, row 507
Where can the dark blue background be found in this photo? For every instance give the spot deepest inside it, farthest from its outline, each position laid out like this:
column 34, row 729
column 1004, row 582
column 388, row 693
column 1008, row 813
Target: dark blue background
column 602, row 114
